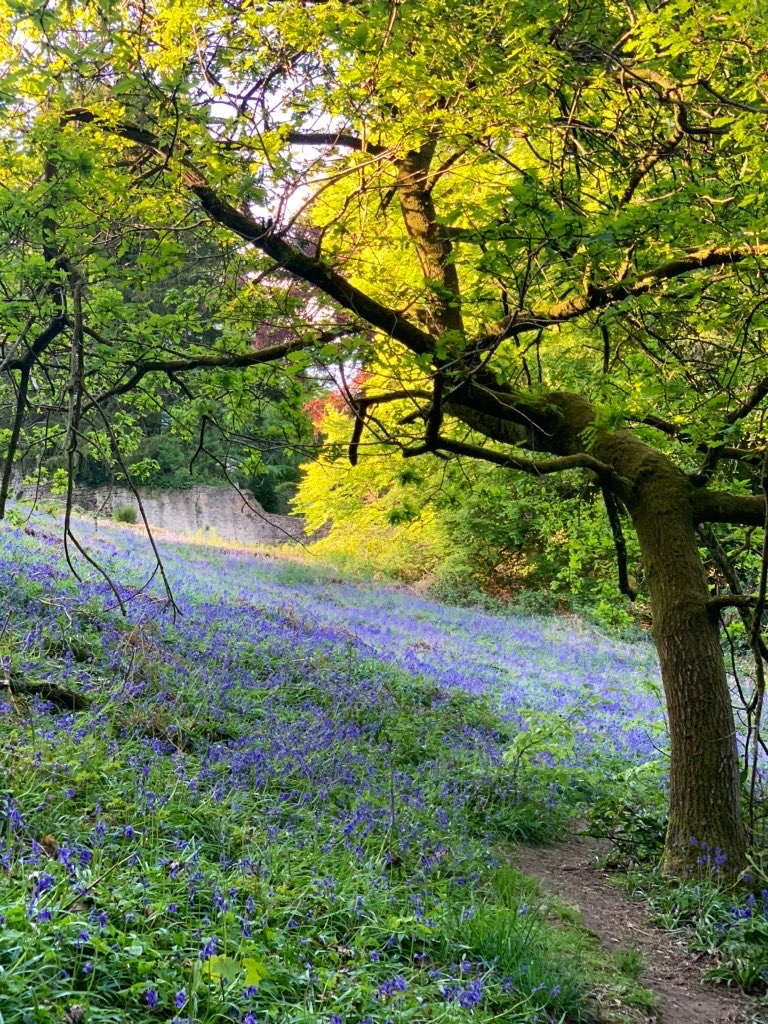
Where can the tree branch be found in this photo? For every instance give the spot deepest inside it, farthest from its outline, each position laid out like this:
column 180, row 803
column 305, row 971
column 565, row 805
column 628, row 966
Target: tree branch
column 537, row 467
column 432, row 245
column 38, row 346
column 599, row 297
column 391, row 321
column 750, row 403
column 360, row 408
column 333, row 139
column 729, row 574
column 214, row 361
column 720, row 601
column 13, row 441
column 260, row 234
column 646, row 164
column 713, row 453
column 753, row 108
column 619, row 543
column 758, row 648
column 720, row 507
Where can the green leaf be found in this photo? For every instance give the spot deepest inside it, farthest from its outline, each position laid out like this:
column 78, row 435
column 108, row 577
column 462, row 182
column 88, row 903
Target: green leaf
column 360, row 35
column 255, row 971
column 222, row 967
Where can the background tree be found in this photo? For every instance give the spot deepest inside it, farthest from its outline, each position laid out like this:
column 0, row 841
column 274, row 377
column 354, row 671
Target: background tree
column 544, row 221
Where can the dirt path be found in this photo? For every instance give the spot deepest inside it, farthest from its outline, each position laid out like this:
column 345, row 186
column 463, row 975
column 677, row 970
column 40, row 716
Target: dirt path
column 569, row 871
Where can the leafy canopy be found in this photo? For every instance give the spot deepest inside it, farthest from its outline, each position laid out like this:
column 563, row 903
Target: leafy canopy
column 522, row 196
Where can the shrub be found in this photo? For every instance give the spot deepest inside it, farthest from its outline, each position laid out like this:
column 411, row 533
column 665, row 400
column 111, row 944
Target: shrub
column 125, row 514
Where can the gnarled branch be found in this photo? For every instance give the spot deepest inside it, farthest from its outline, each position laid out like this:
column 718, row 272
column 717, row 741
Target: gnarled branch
column 599, row 297
column 360, row 407
column 216, row 360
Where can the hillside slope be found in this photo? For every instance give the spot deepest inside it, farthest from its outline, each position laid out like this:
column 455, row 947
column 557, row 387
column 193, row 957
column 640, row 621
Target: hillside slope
column 290, row 803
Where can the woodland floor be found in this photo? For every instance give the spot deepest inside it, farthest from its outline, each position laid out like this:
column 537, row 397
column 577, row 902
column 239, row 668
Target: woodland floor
column 570, row 871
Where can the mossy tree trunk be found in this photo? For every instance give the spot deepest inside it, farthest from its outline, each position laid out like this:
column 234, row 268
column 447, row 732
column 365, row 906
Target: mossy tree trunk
column 704, row 785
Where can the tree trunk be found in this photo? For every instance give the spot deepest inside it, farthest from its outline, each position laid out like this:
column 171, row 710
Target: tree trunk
column 704, row 785
column 705, row 816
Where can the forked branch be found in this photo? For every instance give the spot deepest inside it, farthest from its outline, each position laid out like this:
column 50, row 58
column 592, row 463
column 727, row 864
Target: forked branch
column 361, row 405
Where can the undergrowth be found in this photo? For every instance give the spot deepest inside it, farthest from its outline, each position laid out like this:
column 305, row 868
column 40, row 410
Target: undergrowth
column 722, row 918
column 248, row 816
column 725, row 921
column 295, row 802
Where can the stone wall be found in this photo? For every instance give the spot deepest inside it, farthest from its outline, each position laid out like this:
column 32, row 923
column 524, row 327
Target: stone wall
column 221, row 511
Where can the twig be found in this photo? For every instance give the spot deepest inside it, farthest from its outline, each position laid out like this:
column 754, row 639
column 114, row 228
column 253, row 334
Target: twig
column 13, row 441
column 175, row 610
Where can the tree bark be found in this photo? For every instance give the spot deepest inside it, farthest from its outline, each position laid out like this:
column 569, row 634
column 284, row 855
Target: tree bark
column 704, row 783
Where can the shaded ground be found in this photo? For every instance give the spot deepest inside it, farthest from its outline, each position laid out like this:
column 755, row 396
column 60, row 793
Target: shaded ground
column 569, row 871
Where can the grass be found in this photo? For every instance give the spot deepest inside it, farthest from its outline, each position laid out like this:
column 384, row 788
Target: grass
column 292, row 803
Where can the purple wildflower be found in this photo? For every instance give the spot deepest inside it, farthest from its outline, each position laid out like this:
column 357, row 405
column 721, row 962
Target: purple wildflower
column 392, row 985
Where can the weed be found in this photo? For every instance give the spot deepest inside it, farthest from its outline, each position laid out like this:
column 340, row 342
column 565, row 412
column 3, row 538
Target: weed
column 630, row 962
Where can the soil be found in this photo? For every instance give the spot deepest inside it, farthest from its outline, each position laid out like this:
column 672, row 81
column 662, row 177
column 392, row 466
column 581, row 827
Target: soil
column 571, row 872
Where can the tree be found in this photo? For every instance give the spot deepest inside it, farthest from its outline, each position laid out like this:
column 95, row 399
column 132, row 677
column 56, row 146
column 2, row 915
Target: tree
column 541, row 222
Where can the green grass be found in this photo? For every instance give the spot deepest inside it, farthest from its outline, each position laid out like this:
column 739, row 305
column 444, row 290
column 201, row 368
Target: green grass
column 727, row 923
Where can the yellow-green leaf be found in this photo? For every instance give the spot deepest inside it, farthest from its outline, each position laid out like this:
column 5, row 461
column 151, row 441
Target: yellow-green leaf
column 255, row 971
